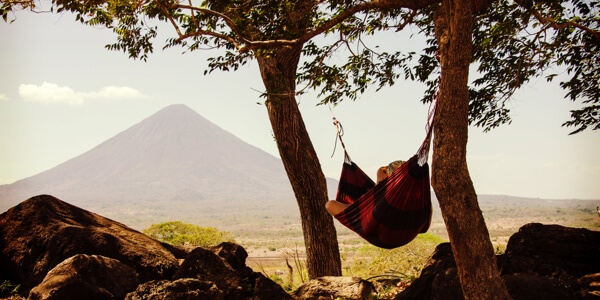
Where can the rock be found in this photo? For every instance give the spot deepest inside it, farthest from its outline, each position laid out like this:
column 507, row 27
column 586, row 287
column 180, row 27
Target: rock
column 540, row 262
column 178, row 252
column 106, row 260
column 446, row 285
column 331, row 287
column 181, row 289
column 558, row 256
column 205, row 265
column 267, row 289
column 235, row 256
column 590, row 286
column 532, row 287
column 438, row 279
column 86, row 277
column 43, row 231
column 225, row 265
column 553, row 250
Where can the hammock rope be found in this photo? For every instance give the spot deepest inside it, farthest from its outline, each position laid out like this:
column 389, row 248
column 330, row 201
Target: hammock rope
column 340, row 132
column 423, row 151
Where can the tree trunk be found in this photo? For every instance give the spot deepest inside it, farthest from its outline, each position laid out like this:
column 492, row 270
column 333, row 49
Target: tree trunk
column 278, row 70
column 471, row 245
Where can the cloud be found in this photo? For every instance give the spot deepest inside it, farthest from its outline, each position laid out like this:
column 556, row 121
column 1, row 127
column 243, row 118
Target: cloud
column 116, row 92
column 3, row 97
column 51, row 93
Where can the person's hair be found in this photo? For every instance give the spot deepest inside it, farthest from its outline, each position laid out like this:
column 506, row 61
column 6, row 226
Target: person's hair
column 394, row 165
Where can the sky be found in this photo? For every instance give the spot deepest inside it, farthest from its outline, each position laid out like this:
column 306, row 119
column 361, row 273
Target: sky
column 62, row 93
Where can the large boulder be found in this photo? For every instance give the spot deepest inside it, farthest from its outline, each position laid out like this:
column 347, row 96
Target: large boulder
column 557, row 260
column 205, row 265
column 438, row 279
column 333, row 287
column 540, row 262
column 81, row 255
column 225, row 266
column 86, row 277
column 530, row 286
column 553, row 250
column 43, row 231
column 234, row 255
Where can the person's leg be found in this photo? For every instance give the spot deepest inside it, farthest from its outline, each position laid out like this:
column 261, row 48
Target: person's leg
column 335, row 207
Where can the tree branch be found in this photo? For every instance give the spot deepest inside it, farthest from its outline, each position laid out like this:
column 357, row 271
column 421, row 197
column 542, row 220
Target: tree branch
column 196, row 23
column 365, row 6
column 247, row 44
column 407, row 21
column 240, row 46
column 164, row 10
column 221, row 36
column 560, row 25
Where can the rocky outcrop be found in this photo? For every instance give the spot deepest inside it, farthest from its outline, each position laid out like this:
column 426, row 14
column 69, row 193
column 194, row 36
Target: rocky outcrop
column 331, row 287
column 225, row 265
column 553, row 250
column 540, row 262
column 216, row 273
column 551, row 261
column 43, row 231
column 55, row 250
column 438, row 279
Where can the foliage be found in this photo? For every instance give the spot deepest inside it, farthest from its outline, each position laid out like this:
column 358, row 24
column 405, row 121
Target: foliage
column 519, row 41
column 7, row 288
column 514, row 42
column 366, row 65
column 179, row 234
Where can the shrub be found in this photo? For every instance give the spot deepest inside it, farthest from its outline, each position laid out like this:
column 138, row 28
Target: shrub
column 7, row 289
column 179, row 234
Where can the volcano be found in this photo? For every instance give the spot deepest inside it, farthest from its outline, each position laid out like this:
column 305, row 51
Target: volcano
column 173, row 164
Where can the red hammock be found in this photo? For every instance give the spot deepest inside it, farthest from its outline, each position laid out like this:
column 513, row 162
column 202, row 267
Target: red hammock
column 393, row 212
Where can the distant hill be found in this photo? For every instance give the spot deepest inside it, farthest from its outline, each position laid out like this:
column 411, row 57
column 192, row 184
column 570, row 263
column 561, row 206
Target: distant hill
column 174, row 164
column 504, row 215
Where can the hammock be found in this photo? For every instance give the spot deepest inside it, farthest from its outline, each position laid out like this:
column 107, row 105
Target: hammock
column 393, row 212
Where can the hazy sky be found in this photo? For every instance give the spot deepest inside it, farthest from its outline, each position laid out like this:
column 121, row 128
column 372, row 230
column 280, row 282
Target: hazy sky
column 62, row 93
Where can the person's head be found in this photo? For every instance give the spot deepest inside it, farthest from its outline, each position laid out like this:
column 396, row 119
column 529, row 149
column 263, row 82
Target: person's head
column 382, row 173
column 393, row 166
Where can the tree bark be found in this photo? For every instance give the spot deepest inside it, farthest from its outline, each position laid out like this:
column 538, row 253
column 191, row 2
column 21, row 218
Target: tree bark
column 278, row 70
column 469, row 237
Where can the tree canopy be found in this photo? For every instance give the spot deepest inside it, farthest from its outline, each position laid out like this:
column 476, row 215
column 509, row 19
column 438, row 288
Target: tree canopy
column 515, row 42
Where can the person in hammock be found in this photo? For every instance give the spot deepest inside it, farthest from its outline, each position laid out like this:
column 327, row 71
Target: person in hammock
column 336, row 207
